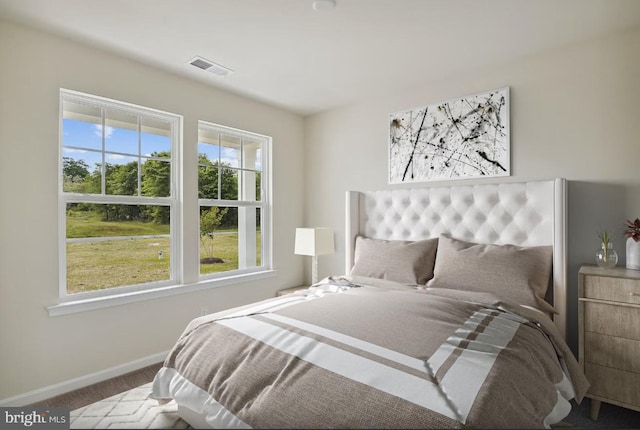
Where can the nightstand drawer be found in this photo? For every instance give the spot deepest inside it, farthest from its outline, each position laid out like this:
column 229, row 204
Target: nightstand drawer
column 612, row 351
column 613, row 384
column 612, row 320
column 612, row 289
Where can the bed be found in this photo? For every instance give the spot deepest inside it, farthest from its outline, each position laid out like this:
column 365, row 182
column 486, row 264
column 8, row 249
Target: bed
column 451, row 313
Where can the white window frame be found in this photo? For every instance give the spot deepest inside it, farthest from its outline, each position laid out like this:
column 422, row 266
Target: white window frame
column 263, row 204
column 171, row 201
column 180, row 281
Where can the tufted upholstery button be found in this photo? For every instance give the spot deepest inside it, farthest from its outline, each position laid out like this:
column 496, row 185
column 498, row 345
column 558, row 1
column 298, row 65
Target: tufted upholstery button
column 506, row 218
column 493, row 237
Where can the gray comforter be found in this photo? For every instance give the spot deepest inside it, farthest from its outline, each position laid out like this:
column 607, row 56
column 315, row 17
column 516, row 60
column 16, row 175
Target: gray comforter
column 373, row 354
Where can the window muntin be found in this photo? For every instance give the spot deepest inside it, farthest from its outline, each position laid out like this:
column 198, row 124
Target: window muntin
column 230, row 182
column 117, row 171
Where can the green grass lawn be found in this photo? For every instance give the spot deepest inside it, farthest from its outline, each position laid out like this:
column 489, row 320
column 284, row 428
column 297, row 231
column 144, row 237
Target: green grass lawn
column 113, row 263
column 87, row 224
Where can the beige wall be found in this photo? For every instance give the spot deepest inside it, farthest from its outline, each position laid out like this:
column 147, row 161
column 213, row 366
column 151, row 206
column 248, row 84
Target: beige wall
column 35, row 349
column 574, row 114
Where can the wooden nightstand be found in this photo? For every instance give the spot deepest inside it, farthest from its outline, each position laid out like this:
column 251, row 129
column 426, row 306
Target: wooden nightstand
column 290, row 290
column 609, row 335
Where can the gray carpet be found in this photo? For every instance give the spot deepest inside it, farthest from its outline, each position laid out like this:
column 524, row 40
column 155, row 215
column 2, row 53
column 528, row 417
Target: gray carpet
column 610, row 417
column 101, row 390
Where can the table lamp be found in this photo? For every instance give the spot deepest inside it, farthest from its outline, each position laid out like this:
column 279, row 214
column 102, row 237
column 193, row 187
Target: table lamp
column 314, row 241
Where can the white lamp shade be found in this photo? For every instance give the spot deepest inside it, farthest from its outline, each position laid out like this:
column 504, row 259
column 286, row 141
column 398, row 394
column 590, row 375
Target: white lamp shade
column 314, row 241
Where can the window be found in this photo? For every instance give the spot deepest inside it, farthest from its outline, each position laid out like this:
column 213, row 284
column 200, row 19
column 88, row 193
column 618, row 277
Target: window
column 125, row 230
column 232, row 200
column 118, row 199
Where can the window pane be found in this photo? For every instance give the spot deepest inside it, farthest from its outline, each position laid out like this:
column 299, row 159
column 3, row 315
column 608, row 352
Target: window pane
column 248, row 186
column 208, row 182
column 259, row 249
column 121, row 175
column 230, row 239
column 81, row 135
column 156, row 178
column 208, row 154
column 258, row 186
column 155, row 138
column 112, row 245
column 249, row 244
column 218, row 239
column 207, row 135
column 252, row 154
column 230, row 151
column 121, row 132
column 81, row 126
column 77, row 171
column 259, row 159
column 229, row 184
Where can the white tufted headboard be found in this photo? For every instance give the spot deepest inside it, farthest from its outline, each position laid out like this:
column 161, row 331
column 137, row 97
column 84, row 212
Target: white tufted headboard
column 519, row 213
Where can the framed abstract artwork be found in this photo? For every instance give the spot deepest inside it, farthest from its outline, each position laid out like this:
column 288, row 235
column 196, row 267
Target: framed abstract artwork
column 458, row 139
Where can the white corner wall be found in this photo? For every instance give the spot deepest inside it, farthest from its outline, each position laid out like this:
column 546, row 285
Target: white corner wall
column 36, row 350
column 574, row 114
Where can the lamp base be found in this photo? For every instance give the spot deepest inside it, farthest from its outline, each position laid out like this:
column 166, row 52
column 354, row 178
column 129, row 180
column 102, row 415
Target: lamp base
column 314, row 270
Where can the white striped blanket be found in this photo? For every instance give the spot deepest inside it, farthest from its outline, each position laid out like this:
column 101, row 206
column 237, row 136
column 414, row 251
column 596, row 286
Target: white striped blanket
column 373, row 356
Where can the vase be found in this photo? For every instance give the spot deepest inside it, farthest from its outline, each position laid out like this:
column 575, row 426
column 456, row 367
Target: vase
column 633, row 254
column 606, row 256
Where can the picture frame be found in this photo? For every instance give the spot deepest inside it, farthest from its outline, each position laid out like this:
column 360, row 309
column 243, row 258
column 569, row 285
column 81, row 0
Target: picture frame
column 462, row 138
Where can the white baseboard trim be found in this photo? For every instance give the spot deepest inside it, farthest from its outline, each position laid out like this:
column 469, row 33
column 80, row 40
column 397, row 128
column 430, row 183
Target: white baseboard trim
column 83, row 381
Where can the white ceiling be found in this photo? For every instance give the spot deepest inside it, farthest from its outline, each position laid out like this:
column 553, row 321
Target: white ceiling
column 285, row 53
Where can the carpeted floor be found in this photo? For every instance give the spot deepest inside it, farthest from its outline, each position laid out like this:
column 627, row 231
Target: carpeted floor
column 610, row 417
column 101, row 390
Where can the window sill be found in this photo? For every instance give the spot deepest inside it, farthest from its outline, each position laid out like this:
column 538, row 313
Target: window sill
column 89, row 304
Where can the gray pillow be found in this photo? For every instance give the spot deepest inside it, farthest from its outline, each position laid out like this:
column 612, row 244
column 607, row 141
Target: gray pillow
column 407, row 262
column 515, row 273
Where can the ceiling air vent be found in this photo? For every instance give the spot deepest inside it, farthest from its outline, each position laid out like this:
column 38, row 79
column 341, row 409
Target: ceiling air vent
column 210, row 66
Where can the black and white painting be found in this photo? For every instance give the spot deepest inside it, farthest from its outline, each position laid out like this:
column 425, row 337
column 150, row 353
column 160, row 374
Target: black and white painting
column 458, row 139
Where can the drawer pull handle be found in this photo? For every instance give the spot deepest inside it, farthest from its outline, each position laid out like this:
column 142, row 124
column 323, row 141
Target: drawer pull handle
column 634, row 295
